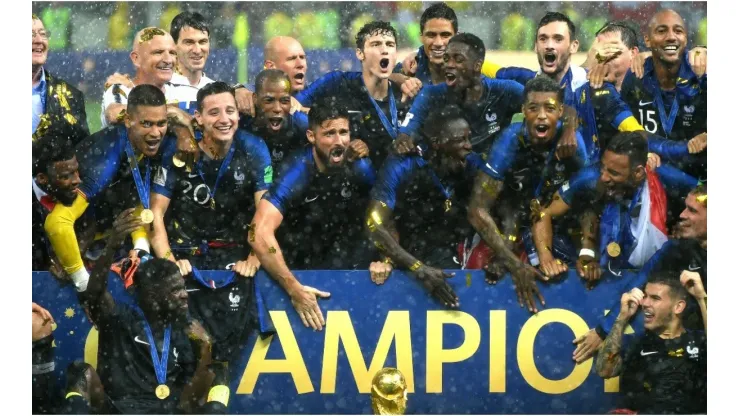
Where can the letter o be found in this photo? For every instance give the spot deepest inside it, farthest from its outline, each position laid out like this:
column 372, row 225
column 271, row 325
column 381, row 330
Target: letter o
column 525, row 352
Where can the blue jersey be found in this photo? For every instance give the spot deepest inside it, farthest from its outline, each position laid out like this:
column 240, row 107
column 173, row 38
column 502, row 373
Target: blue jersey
column 423, row 73
column 409, row 185
column 323, row 213
column 284, row 142
column 365, row 121
column 600, row 112
column 196, row 213
column 644, row 97
column 499, row 101
column 572, row 80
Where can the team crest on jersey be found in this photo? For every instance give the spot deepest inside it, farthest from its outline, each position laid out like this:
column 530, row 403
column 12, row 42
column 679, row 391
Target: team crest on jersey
column 239, row 177
column 693, row 350
column 175, row 353
column 491, row 118
column 277, row 156
column 346, row 193
column 688, row 109
column 234, row 299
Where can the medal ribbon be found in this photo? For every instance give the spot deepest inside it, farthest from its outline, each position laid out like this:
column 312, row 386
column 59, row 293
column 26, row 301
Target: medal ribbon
column 390, row 126
column 665, row 121
column 221, row 171
column 159, row 362
column 142, row 186
column 611, row 224
column 545, row 170
column 444, row 190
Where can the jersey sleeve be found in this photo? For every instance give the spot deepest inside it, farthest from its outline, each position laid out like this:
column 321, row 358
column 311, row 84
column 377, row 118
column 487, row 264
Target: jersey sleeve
column 164, row 178
column 520, row 75
column 581, row 157
column 676, row 180
column 259, row 160
column 100, row 158
column 423, row 103
column 300, row 121
column 326, row 85
column 290, row 183
column 610, row 107
column 503, row 152
column 364, row 170
column 394, row 172
column 512, row 93
column 115, row 94
column 583, row 181
column 671, row 150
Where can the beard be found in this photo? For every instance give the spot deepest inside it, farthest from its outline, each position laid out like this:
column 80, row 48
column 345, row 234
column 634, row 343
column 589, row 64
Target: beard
column 325, row 159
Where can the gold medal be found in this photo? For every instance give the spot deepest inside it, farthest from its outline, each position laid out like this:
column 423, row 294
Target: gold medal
column 213, row 203
column 535, row 206
column 147, row 216
column 448, row 205
column 613, row 249
column 177, row 161
column 162, row 391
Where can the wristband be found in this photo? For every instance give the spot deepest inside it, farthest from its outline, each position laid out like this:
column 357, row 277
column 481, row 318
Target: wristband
column 416, row 266
column 600, row 332
column 587, row 252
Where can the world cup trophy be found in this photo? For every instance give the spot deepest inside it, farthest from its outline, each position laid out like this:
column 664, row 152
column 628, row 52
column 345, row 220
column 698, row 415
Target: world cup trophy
column 388, row 392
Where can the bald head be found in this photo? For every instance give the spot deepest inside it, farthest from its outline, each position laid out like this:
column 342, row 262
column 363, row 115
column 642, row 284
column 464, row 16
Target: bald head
column 286, row 54
column 153, row 55
column 666, row 37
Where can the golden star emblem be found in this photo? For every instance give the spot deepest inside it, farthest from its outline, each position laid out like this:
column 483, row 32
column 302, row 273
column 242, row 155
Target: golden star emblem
column 69, row 313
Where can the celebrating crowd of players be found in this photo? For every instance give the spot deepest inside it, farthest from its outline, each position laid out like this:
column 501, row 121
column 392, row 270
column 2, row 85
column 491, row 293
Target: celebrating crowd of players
column 443, row 161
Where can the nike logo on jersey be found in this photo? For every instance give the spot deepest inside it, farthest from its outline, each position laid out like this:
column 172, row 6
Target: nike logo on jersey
column 191, row 290
column 136, row 339
column 643, row 353
column 694, row 268
column 307, row 200
column 645, row 103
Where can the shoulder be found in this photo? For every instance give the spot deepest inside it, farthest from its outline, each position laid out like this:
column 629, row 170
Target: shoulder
column 107, row 139
column 579, row 76
column 54, row 81
column 402, row 164
column 504, row 85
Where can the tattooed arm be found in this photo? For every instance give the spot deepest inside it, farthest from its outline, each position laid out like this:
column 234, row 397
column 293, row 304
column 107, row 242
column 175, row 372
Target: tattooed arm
column 609, row 362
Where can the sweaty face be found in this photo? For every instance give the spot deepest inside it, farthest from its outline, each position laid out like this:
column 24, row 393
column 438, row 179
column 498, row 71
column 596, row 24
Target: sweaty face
column 618, row 66
column 64, row 178
column 156, row 59
column 693, row 223
column 455, row 145
column 659, row 307
column 39, row 43
column 272, row 105
column 219, row 117
column 291, row 59
column 146, row 127
column 461, row 68
column 554, row 48
column 542, row 110
column 330, row 141
column 617, row 180
column 193, row 47
column 667, row 37
column 379, row 55
column 436, row 35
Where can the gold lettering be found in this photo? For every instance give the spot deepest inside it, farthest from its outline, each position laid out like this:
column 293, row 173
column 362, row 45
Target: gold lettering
column 293, row 362
column 525, row 352
column 339, row 327
column 436, row 355
column 497, row 353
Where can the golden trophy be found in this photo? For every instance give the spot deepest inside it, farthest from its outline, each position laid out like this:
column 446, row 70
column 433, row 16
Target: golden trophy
column 388, row 392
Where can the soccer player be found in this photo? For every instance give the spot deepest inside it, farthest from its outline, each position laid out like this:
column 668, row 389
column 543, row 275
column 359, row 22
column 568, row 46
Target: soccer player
column 525, row 174
column 488, row 104
column 53, row 99
column 634, row 215
column 155, row 357
column 424, row 238
column 685, row 251
column 317, row 198
column 272, row 121
column 208, row 212
column 374, row 102
column 115, row 167
column 191, row 34
column 663, row 371
column 438, row 24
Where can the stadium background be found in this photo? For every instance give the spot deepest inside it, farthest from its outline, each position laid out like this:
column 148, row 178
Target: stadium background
column 91, row 40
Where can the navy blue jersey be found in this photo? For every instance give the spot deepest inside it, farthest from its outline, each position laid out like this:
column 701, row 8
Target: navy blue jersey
column 499, row 101
column 366, row 123
column 283, row 143
column 600, row 111
column 572, row 80
column 409, row 186
column 191, row 216
column 529, row 172
column 323, row 213
column 423, row 73
column 690, row 95
column 106, row 175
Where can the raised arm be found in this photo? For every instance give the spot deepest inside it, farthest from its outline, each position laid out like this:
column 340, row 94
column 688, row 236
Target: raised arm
column 610, row 362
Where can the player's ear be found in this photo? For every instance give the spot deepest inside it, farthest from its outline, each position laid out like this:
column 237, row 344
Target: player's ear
column 560, row 110
column 679, row 307
column 360, row 54
column 647, row 40
column 574, row 46
column 309, row 135
column 134, row 58
column 639, row 173
column 269, row 64
column 198, row 117
column 478, row 65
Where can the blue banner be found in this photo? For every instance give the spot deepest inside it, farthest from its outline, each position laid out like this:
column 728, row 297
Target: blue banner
column 492, row 356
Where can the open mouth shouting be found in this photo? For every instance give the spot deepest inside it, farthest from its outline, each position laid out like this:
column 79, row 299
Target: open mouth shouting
column 649, row 316
column 299, row 78
column 541, row 130
column 384, row 65
column 275, row 123
column 549, row 60
column 151, row 146
column 336, row 154
column 450, row 79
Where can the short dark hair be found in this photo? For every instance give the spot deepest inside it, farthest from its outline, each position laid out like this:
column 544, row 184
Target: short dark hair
column 438, row 120
column 328, row 108
column 271, row 75
column 152, row 274
column 632, row 144
column 188, row 19
column 146, row 95
column 671, row 279
column 213, row 88
column 543, row 83
column 625, row 30
column 550, row 17
column 56, row 145
column 438, row 11
column 376, row 27
column 475, row 44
